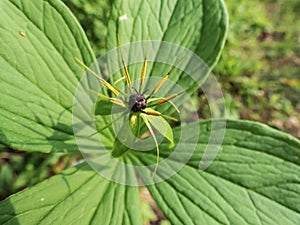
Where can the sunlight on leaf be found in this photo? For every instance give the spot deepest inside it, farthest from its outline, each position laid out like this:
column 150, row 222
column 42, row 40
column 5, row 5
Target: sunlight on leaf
column 257, row 170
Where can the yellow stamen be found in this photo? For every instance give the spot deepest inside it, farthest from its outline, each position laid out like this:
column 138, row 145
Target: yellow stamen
column 133, row 120
column 127, row 77
column 152, row 112
column 113, row 100
column 163, row 100
column 117, row 102
column 104, row 82
column 160, row 83
column 144, row 69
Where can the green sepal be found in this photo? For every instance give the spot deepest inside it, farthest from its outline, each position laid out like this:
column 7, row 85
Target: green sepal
column 163, row 127
column 127, row 135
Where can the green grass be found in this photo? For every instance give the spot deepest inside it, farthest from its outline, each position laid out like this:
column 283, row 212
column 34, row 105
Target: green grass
column 19, row 170
column 259, row 67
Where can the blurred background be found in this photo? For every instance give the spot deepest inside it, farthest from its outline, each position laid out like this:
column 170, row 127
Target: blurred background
column 259, row 71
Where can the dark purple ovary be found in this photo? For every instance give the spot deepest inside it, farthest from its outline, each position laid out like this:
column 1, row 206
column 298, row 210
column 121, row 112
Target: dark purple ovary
column 137, row 102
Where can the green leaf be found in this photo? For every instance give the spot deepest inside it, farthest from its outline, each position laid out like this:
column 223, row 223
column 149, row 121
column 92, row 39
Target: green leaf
column 77, row 196
column 253, row 180
column 163, row 127
column 39, row 75
column 198, row 25
column 128, row 135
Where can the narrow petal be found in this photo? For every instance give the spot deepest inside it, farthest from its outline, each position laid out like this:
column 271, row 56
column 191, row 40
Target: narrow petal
column 146, row 120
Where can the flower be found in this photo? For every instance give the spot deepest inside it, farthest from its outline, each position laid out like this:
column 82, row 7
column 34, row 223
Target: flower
column 139, row 107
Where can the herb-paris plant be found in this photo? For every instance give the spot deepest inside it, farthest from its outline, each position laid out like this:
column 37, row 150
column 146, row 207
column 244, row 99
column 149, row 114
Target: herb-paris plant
column 253, row 180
